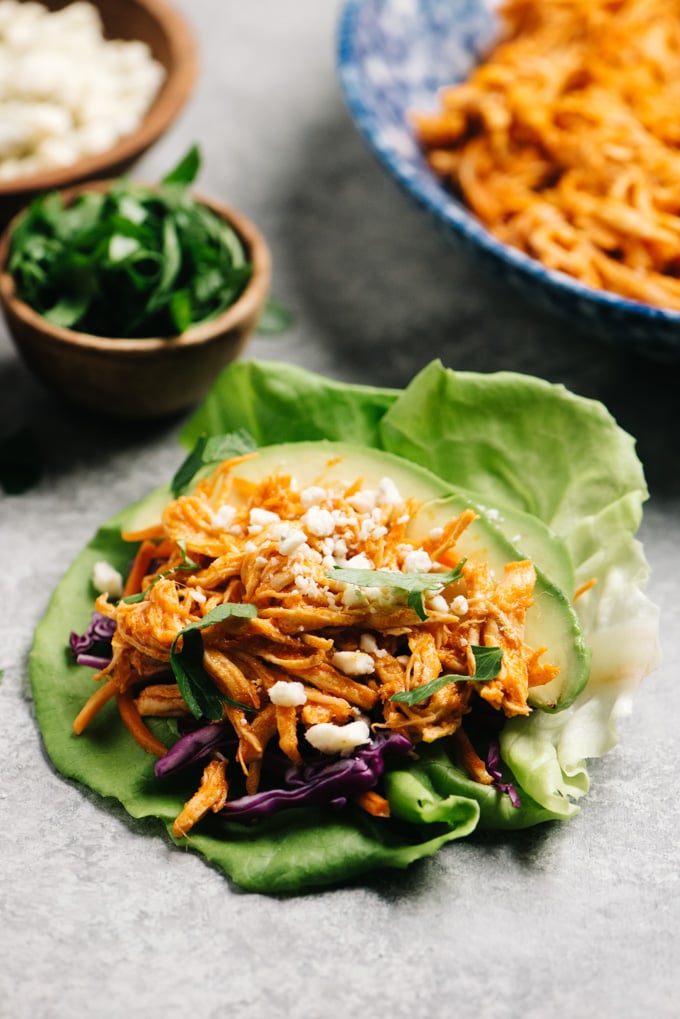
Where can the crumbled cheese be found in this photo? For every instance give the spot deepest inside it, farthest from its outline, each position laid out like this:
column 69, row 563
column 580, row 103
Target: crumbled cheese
column 107, row 579
column 291, row 540
column 312, row 495
column 307, row 586
column 338, row 739
column 287, row 693
column 223, row 517
column 459, row 605
column 258, row 519
column 438, row 603
column 360, row 562
column 339, row 550
column 318, row 522
column 369, row 644
column 353, row 663
column 388, row 493
column 417, row 561
column 352, row 596
column 66, row 91
column 363, row 501
column 436, row 533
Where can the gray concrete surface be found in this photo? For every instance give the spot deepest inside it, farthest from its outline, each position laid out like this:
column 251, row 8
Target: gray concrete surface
column 98, row 917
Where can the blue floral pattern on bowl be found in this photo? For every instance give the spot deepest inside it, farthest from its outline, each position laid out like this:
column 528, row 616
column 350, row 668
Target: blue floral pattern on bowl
column 393, row 56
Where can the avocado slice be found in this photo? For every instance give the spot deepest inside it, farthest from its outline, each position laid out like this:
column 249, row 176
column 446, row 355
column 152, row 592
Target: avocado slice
column 551, row 621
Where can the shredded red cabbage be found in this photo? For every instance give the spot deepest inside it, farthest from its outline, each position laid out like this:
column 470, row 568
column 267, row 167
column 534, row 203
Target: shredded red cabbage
column 93, row 647
column 330, row 781
column 493, row 765
column 194, row 745
column 322, row 782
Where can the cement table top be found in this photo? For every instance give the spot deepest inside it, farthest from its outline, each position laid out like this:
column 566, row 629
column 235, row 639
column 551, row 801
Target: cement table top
column 98, row 915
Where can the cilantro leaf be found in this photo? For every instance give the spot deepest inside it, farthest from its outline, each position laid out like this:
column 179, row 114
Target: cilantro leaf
column 208, row 451
column 413, row 583
column 276, row 318
column 487, row 666
column 200, row 694
column 186, row 170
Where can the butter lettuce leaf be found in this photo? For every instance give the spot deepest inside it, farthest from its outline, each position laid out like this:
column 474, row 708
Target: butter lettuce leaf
column 531, row 452
column 525, row 448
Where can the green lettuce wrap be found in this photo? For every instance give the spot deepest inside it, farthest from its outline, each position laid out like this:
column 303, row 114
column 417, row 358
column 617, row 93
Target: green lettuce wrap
column 526, row 450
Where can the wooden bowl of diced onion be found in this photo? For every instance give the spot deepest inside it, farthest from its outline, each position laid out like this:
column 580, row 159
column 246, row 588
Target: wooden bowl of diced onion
column 147, row 39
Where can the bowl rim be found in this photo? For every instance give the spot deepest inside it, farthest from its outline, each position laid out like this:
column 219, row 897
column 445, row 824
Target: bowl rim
column 441, row 205
column 171, row 97
column 253, row 295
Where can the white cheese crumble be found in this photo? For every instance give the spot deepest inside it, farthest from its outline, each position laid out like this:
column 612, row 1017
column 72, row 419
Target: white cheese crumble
column 338, row 739
column 318, row 522
column 363, row 501
column 388, row 493
column 438, row 603
column 107, row 579
column 223, row 517
column 258, row 519
column 65, row 91
column 369, row 644
column 287, row 693
column 291, row 540
column 353, row 663
column 459, row 605
column 360, row 562
column 417, row 561
column 312, row 495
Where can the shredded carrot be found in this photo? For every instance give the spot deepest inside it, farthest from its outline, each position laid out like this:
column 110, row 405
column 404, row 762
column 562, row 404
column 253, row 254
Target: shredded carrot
column 138, row 730
column 146, row 553
column 373, row 803
column 585, row 587
column 97, row 701
column 146, row 534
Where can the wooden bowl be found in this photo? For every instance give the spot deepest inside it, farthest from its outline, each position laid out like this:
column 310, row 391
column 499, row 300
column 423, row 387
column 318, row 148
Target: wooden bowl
column 171, row 42
column 138, row 378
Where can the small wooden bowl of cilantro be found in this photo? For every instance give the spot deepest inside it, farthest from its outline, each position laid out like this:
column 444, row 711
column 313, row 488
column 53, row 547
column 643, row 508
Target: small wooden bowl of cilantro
column 128, row 299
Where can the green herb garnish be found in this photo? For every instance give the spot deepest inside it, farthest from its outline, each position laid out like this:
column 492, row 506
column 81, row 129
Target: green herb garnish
column 488, row 662
column 198, row 690
column 414, row 584
column 135, row 261
column 410, row 582
column 209, row 451
column 275, row 319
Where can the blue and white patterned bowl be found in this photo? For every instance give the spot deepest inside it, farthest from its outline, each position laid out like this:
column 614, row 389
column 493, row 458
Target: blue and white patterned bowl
column 393, row 56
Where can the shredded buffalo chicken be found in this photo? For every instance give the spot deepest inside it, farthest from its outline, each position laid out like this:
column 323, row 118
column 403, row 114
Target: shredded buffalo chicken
column 274, row 545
